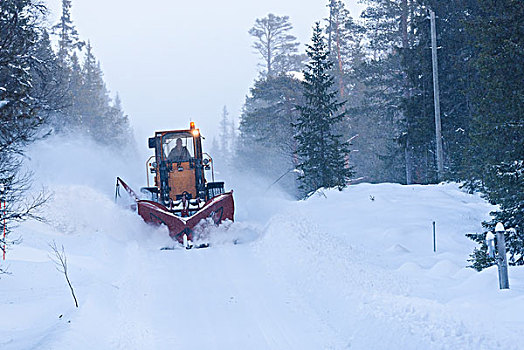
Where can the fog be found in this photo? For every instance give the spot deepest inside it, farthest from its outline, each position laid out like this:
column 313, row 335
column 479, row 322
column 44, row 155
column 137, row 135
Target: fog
column 176, row 61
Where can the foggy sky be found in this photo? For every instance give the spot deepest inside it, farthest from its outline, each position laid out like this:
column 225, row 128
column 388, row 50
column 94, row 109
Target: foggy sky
column 176, row 61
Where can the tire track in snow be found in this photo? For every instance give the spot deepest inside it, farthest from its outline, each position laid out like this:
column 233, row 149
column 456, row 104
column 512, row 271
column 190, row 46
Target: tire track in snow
column 134, row 329
column 283, row 320
column 223, row 298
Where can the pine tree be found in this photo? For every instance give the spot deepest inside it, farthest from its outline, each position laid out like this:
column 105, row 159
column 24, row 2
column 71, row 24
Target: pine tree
column 497, row 149
column 232, row 136
column 344, row 43
column 322, row 154
column 224, row 135
column 118, row 132
column 277, row 47
column 376, row 117
column 385, row 151
column 94, row 99
column 456, row 77
column 19, row 102
column 73, row 114
column 68, row 38
column 370, row 84
column 215, row 148
column 18, row 40
column 265, row 144
column 383, row 21
column 68, row 73
column 47, row 89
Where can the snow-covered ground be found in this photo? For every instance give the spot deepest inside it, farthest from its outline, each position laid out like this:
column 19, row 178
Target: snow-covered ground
column 348, row 270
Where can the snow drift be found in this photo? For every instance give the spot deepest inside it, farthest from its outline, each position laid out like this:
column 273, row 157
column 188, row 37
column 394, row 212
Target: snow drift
column 351, row 270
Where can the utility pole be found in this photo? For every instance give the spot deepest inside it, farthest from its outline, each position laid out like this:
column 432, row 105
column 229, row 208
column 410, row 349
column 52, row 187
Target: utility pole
column 330, row 24
column 436, row 98
column 406, row 93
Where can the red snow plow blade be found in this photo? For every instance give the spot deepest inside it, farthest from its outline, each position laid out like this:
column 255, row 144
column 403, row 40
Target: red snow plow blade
column 217, row 209
column 181, row 195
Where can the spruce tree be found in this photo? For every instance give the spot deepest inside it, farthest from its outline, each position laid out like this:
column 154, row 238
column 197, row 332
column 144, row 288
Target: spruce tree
column 68, row 73
column 48, row 91
column 322, row 154
column 94, row 99
column 497, row 133
column 68, row 38
column 73, row 114
column 20, row 101
column 384, row 145
column 117, row 130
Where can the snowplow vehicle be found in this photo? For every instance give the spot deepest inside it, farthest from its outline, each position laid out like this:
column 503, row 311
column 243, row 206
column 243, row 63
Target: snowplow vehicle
column 181, row 198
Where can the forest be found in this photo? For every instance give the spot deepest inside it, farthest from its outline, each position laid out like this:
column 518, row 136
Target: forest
column 47, row 89
column 357, row 106
column 366, row 86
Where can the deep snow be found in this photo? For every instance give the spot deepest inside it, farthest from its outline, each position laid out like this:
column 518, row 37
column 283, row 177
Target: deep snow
column 349, row 270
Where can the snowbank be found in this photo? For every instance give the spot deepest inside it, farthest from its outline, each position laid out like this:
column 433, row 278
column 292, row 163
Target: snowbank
column 351, row 270
column 364, row 259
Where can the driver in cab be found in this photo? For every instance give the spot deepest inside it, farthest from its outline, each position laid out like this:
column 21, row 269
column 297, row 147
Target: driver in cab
column 178, row 153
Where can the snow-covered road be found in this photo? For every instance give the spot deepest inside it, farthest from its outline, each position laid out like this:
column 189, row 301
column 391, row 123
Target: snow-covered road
column 352, row 270
column 135, row 296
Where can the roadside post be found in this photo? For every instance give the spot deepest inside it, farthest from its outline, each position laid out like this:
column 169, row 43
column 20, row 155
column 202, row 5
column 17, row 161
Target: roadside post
column 434, row 238
column 501, row 259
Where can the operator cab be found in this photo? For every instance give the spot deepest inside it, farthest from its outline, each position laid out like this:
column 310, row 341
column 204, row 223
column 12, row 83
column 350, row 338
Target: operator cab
column 179, row 171
column 178, row 146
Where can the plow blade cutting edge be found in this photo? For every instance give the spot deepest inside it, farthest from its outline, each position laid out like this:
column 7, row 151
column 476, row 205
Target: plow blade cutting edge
column 217, row 209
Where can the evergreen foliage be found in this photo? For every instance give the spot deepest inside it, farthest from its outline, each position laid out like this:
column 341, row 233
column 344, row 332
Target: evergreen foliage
column 19, row 104
column 378, row 121
column 275, row 45
column 382, row 68
column 322, row 154
column 47, row 88
column 19, row 34
column 344, row 45
column 67, row 33
column 223, row 148
column 224, row 133
column 85, row 105
column 375, row 88
column 479, row 259
column 496, row 153
column 42, row 91
column 266, row 145
column 480, row 47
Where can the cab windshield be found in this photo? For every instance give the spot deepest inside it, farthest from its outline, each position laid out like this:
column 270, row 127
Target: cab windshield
column 178, row 146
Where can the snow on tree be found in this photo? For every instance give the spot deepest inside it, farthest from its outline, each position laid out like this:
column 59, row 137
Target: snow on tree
column 94, row 95
column 19, row 120
column 496, row 154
